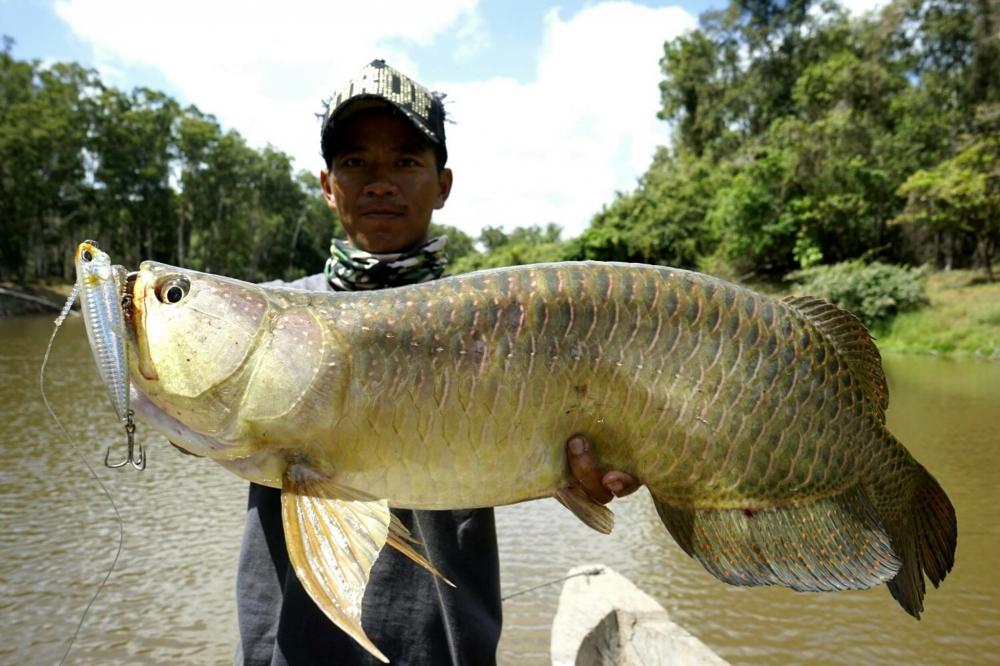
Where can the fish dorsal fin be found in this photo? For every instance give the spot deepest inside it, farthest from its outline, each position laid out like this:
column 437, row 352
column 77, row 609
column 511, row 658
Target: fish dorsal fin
column 852, row 341
column 333, row 537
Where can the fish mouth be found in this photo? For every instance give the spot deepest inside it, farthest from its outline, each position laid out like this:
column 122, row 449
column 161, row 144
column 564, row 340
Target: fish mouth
column 133, row 306
column 127, row 302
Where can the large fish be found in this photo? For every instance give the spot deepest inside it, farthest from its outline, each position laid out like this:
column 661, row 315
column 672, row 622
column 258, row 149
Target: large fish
column 757, row 425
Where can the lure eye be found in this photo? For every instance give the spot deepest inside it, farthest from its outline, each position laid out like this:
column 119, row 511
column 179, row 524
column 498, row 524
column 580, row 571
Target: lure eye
column 173, row 290
column 87, row 255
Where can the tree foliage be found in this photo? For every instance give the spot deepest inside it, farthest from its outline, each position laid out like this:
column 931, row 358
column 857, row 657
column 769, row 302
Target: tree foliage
column 801, row 136
column 960, row 195
column 875, row 292
column 524, row 245
column 795, row 127
column 147, row 179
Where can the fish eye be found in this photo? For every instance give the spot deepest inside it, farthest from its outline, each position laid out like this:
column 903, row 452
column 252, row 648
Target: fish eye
column 87, row 256
column 173, row 290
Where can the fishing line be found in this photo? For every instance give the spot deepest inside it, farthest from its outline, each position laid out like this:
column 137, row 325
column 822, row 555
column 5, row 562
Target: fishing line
column 589, row 572
column 83, row 459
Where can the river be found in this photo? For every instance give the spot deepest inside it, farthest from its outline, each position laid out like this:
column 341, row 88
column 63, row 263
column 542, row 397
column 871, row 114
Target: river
column 171, row 598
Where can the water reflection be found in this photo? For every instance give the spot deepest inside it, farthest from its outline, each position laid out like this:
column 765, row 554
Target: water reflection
column 171, row 599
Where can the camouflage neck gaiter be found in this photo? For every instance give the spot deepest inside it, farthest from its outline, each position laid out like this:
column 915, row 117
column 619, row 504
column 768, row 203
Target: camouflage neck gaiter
column 351, row 269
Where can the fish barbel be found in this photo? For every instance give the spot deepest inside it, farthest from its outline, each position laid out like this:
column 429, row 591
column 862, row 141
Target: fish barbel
column 757, row 425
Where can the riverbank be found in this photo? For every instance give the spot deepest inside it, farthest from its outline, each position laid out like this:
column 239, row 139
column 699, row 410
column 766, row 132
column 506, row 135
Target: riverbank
column 39, row 298
column 963, row 319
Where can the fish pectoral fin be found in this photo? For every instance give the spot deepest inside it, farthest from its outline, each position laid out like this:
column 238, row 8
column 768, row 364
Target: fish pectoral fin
column 593, row 514
column 401, row 539
column 831, row 543
column 333, row 537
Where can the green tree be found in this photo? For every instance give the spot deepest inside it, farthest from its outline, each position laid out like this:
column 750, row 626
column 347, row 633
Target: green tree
column 134, row 148
column 197, row 135
column 314, row 225
column 661, row 222
column 460, row 244
column 961, row 194
column 523, row 245
column 45, row 113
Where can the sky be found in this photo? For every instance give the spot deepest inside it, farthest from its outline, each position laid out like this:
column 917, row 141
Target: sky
column 553, row 103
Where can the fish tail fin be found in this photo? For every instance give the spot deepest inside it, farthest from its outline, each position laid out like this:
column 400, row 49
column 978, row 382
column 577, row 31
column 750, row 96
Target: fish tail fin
column 924, row 532
column 835, row 542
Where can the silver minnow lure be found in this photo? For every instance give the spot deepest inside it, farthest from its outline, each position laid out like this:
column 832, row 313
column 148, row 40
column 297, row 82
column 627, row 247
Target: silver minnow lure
column 101, row 287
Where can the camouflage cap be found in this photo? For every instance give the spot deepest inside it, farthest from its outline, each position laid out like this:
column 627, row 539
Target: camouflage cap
column 379, row 84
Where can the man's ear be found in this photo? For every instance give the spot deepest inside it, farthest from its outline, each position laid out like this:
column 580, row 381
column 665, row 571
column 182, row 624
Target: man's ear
column 325, row 182
column 444, row 188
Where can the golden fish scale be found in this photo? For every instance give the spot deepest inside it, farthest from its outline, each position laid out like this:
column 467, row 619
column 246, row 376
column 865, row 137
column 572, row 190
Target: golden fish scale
column 463, row 392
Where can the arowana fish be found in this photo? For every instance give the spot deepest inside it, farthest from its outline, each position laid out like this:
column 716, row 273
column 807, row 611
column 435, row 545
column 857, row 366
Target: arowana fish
column 757, row 425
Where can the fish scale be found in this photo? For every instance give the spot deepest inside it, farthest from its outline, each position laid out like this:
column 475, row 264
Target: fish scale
column 757, row 425
column 500, row 328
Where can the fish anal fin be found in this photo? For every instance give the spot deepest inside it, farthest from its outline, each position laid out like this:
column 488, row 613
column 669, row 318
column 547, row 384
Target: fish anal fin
column 401, row 539
column 333, row 539
column 832, row 543
column 852, row 341
column 593, row 514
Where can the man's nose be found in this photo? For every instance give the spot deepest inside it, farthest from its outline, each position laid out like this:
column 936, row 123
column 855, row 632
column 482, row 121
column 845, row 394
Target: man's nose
column 380, row 183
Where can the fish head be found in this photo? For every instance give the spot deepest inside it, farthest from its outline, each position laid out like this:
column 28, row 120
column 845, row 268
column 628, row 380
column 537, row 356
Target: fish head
column 194, row 334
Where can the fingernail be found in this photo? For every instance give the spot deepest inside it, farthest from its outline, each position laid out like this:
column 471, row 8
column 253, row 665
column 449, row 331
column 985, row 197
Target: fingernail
column 614, row 486
column 578, row 446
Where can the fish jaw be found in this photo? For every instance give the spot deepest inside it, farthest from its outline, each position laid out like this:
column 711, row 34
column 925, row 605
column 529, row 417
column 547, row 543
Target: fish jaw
column 137, row 319
column 174, row 429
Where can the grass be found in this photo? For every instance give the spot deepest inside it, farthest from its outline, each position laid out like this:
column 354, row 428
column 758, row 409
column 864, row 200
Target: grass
column 963, row 319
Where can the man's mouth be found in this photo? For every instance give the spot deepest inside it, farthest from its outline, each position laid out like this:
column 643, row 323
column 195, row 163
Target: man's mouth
column 381, row 213
column 381, row 210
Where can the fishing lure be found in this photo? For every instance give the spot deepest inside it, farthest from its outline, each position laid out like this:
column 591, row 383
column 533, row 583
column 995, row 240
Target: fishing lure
column 101, row 288
column 69, row 440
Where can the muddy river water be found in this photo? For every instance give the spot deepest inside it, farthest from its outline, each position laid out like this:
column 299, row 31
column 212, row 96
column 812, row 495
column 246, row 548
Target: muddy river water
column 171, row 598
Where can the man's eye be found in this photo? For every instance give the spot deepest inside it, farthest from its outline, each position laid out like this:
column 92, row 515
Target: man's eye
column 408, row 162
column 352, row 162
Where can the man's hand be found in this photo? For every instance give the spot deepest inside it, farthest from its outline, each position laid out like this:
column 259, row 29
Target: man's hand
column 600, row 484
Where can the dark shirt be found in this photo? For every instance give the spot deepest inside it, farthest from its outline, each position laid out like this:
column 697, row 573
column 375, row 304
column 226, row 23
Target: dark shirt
column 409, row 614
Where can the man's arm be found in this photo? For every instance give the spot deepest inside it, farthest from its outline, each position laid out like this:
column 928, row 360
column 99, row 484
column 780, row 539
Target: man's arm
column 600, row 484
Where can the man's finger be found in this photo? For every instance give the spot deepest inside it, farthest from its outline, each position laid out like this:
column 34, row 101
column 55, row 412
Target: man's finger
column 583, row 466
column 620, row 483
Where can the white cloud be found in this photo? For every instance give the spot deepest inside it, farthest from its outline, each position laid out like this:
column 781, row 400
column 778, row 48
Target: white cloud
column 263, row 68
column 557, row 148
column 553, row 149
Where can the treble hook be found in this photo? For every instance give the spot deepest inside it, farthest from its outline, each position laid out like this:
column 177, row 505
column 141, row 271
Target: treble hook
column 137, row 461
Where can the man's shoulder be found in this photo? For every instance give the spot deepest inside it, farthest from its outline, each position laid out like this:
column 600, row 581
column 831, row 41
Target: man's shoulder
column 316, row 282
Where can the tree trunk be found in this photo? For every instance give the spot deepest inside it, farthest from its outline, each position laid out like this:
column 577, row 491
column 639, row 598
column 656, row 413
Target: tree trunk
column 184, row 212
column 949, row 250
column 295, row 237
column 985, row 247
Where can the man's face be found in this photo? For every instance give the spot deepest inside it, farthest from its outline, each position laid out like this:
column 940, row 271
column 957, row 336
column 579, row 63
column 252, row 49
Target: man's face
column 384, row 182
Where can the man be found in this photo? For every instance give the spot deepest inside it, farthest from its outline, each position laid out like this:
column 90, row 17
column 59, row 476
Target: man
column 383, row 143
